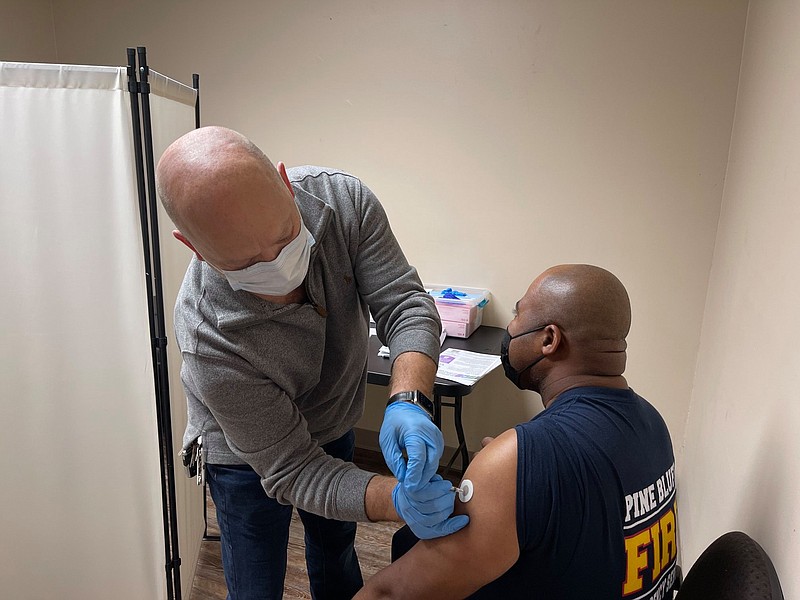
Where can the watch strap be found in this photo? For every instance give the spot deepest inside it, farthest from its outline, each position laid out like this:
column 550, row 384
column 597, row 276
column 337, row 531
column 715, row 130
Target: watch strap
column 414, row 397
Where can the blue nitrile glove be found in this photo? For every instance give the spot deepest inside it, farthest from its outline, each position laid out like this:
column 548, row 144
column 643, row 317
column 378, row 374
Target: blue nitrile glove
column 426, row 511
column 408, row 427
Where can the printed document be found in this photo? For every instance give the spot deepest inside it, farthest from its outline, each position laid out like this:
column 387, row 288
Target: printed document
column 465, row 367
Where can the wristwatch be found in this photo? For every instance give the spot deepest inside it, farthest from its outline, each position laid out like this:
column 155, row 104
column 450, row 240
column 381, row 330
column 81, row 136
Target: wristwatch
column 415, row 397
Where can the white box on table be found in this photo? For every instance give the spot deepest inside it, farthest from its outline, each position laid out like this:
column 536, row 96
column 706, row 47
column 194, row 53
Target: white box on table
column 460, row 315
column 461, row 330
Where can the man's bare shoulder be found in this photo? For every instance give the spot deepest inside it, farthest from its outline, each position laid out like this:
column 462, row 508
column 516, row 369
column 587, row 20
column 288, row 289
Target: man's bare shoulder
column 473, row 556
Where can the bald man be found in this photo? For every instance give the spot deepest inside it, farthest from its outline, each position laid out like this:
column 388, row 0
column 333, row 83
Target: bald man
column 579, row 502
column 272, row 323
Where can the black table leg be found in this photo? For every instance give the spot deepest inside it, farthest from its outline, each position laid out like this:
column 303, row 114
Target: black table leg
column 437, row 409
column 462, row 442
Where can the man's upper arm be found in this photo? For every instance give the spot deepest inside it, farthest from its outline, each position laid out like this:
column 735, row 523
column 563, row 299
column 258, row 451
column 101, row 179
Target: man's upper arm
column 459, row 564
column 405, row 315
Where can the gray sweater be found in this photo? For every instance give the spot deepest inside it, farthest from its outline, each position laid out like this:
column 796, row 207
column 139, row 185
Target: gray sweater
column 268, row 384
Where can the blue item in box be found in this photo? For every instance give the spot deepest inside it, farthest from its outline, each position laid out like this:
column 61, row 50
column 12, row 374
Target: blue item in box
column 457, row 296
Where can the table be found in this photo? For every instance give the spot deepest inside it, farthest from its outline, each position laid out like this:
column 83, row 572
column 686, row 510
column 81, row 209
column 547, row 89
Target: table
column 485, row 339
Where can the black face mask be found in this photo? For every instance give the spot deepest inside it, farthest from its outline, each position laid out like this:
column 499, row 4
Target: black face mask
column 512, row 374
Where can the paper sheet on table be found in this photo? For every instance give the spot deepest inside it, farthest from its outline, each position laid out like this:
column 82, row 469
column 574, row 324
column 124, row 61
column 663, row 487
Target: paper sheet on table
column 464, row 366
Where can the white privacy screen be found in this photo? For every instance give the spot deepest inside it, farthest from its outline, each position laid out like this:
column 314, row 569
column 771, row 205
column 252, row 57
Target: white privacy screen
column 81, row 497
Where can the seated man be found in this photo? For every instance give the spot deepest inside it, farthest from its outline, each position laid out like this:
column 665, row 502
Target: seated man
column 577, row 503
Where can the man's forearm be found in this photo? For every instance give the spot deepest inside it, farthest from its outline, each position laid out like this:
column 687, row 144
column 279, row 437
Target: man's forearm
column 378, row 500
column 413, row 371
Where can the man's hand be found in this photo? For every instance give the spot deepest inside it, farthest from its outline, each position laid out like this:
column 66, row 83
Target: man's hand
column 408, row 427
column 426, row 510
column 458, row 565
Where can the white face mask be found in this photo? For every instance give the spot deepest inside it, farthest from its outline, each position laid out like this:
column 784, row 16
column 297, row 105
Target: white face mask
column 280, row 276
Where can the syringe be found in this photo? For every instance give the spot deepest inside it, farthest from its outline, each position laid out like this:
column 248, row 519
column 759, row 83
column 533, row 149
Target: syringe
column 465, row 491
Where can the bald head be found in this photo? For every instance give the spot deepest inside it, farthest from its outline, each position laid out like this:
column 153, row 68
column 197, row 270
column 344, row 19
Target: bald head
column 226, row 198
column 577, row 316
column 586, row 301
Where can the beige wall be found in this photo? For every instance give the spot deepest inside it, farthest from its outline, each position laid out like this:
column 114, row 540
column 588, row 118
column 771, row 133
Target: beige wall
column 501, row 137
column 742, row 456
column 26, row 31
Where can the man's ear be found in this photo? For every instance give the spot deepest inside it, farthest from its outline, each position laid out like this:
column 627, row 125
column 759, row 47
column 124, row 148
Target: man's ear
column 552, row 340
column 282, row 170
column 182, row 238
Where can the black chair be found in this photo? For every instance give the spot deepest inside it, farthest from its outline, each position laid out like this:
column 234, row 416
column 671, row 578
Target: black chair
column 733, row 567
column 402, row 541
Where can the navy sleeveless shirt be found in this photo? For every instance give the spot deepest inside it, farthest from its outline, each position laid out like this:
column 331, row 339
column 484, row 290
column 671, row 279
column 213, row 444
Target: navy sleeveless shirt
column 595, row 502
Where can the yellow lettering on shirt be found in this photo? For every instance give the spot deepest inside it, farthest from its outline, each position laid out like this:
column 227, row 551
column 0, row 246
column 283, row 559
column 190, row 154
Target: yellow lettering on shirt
column 636, row 553
column 669, row 548
column 642, row 566
column 655, row 533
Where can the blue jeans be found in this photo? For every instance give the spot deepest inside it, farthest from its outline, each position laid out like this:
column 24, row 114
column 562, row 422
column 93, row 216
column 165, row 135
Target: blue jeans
column 254, row 532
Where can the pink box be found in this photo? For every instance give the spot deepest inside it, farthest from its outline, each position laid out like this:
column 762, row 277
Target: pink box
column 463, row 314
column 460, row 329
column 459, row 313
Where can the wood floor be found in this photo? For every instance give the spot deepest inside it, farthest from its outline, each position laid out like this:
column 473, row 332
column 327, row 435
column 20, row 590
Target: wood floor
column 373, row 543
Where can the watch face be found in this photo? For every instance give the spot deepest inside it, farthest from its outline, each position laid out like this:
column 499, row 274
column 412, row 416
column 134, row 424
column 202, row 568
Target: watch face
column 415, row 397
column 422, row 400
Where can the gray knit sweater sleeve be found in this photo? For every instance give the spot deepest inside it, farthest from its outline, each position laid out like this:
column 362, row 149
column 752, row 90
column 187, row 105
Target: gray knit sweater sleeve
column 264, row 428
column 405, row 316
